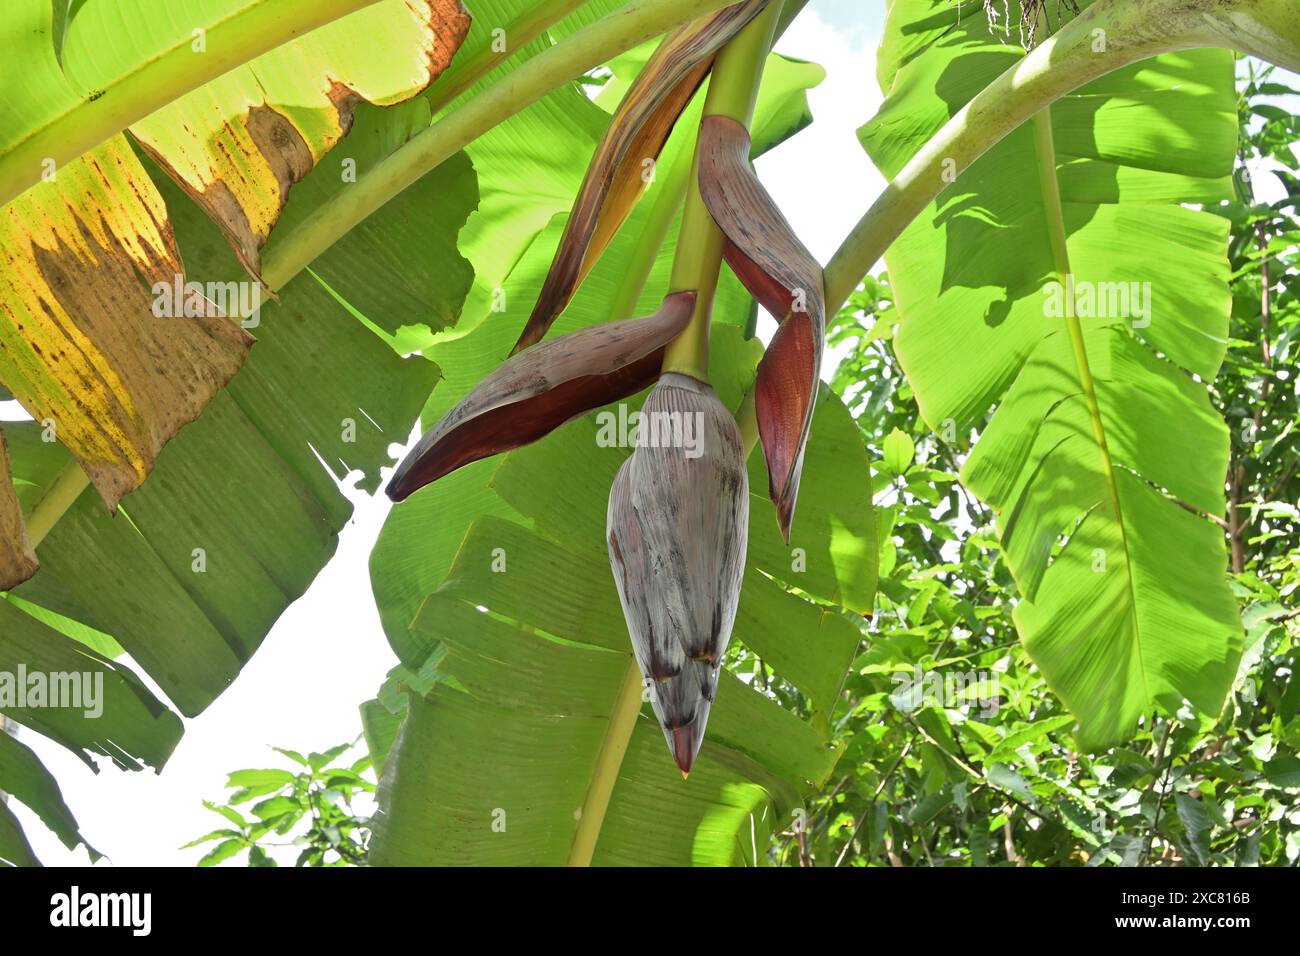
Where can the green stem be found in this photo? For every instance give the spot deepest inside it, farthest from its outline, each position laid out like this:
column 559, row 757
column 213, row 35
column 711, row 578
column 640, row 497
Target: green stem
column 747, row 420
column 625, row 28
column 1051, row 189
column 1109, row 35
column 622, row 721
column 671, row 190
column 529, row 25
column 163, row 77
column 67, row 488
column 733, row 91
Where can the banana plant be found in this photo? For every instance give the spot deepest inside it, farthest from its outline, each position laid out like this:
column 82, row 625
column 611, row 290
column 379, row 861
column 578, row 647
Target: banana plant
column 570, row 778
column 677, row 521
column 242, row 141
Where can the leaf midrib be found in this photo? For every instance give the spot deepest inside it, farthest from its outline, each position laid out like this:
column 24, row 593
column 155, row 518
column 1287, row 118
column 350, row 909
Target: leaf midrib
column 1045, row 151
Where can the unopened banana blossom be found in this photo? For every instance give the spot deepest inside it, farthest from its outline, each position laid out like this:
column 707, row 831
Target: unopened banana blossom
column 677, row 526
column 679, row 507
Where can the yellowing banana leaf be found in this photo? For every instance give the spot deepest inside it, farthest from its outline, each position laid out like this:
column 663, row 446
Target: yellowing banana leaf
column 191, row 620
column 82, row 72
column 182, row 579
column 117, row 382
column 239, row 143
column 84, row 345
column 1102, row 440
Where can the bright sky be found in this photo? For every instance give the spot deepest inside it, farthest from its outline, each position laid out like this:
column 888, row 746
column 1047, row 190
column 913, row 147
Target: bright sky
column 328, row 653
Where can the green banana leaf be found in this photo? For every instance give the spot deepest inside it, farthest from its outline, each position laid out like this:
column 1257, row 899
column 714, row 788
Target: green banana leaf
column 91, row 67
column 14, row 848
column 31, row 784
column 1105, row 518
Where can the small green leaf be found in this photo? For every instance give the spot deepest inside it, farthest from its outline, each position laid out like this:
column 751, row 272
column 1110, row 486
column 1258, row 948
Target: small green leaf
column 899, row 452
column 1004, row 778
column 292, row 755
column 252, row 779
column 223, row 852
column 230, row 813
column 1283, row 772
column 214, row 835
column 277, row 807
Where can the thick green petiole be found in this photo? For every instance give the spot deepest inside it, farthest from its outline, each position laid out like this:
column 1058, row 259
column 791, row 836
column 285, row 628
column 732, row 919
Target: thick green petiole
column 733, row 91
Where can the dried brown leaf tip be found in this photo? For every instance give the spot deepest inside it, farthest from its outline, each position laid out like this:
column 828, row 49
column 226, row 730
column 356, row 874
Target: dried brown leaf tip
column 677, row 528
column 639, row 128
column 786, row 280
column 543, row 387
column 17, row 559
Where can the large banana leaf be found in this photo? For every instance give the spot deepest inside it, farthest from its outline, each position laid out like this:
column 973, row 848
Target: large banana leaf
column 81, row 341
column 241, row 512
column 1104, row 457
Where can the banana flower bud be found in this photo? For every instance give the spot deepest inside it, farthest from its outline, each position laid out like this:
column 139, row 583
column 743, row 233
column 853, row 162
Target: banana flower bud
column 677, row 527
